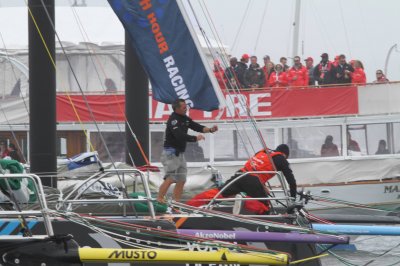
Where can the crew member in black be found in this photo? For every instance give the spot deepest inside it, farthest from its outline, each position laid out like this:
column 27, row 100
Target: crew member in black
column 172, row 157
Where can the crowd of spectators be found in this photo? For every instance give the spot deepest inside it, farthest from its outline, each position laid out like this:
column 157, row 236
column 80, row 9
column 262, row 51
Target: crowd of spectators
column 247, row 73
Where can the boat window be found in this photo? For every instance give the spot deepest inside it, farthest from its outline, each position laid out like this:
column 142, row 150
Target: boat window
column 115, row 142
column 224, row 145
column 14, row 137
column 377, row 139
column 368, row 139
column 248, row 142
column 396, row 137
column 61, row 147
column 356, row 140
column 312, row 142
column 198, row 151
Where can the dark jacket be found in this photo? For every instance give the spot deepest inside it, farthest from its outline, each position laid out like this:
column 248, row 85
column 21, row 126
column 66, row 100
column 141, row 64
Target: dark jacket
column 324, row 73
column 231, row 74
column 254, row 75
column 241, row 69
column 311, row 80
column 176, row 134
column 340, row 76
column 282, row 165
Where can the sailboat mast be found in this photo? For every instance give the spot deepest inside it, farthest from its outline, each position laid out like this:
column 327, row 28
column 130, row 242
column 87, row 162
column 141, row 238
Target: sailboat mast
column 136, row 98
column 296, row 29
column 42, row 91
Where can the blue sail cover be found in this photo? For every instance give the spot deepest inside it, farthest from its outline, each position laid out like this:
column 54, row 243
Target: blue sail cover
column 167, row 52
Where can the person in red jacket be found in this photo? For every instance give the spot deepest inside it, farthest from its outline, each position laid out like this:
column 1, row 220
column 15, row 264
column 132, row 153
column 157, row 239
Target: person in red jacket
column 358, row 76
column 278, row 78
column 219, row 74
column 298, row 74
column 254, row 184
column 268, row 69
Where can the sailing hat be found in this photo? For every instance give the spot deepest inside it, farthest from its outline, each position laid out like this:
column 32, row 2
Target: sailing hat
column 245, row 56
column 284, row 149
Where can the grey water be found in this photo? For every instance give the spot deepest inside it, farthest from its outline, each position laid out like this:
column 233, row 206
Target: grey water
column 369, row 250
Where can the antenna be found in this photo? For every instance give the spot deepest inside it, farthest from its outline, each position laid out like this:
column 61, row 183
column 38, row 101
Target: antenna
column 388, row 56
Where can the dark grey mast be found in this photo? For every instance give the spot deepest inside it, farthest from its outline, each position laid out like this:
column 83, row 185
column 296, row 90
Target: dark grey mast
column 136, row 105
column 42, row 92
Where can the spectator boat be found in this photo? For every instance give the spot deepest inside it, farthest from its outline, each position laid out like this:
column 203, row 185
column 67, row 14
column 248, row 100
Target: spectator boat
column 366, row 178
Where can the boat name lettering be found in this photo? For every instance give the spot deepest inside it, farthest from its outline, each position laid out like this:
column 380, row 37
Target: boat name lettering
column 155, row 27
column 177, row 80
column 131, row 254
column 391, row 189
column 216, row 235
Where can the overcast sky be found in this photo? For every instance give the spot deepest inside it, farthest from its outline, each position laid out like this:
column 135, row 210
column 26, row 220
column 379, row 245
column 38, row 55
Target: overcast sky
column 360, row 29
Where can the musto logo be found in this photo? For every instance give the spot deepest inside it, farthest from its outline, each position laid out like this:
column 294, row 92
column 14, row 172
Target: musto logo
column 130, row 254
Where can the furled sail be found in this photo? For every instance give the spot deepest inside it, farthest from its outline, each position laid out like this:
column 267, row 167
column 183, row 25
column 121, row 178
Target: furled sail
column 167, row 51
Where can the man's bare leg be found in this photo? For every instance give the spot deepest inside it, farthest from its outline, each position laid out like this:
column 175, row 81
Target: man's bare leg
column 163, row 189
column 178, row 190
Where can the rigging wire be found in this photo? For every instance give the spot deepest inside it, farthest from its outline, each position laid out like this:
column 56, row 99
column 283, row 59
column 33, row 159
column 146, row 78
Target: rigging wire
column 77, row 82
column 245, row 14
column 79, row 86
column 231, row 112
column 14, row 136
column 344, row 27
column 260, row 30
column 54, row 64
column 364, row 27
column 250, row 116
column 91, row 54
column 13, row 70
column 321, row 27
column 236, row 90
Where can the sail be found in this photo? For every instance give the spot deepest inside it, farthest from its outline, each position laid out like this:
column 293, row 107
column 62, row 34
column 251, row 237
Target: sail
column 167, row 52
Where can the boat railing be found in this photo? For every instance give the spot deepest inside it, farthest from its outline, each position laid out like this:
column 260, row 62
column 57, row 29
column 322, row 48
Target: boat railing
column 38, row 189
column 238, row 200
column 73, row 197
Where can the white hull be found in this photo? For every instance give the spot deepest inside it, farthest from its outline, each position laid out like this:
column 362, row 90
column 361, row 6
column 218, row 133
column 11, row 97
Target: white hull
column 383, row 195
column 368, row 181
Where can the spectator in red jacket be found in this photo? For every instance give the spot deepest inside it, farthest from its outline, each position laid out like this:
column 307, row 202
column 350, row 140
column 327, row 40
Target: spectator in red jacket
column 278, row 78
column 380, row 77
column 219, row 74
column 268, row 68
column 298, row 74
column 358, row 76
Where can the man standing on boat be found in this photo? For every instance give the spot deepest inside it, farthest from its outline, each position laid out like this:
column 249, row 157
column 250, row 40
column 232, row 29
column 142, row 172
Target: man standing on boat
column 172, row 157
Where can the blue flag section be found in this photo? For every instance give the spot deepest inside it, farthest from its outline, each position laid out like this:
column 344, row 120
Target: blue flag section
column 167, row 52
